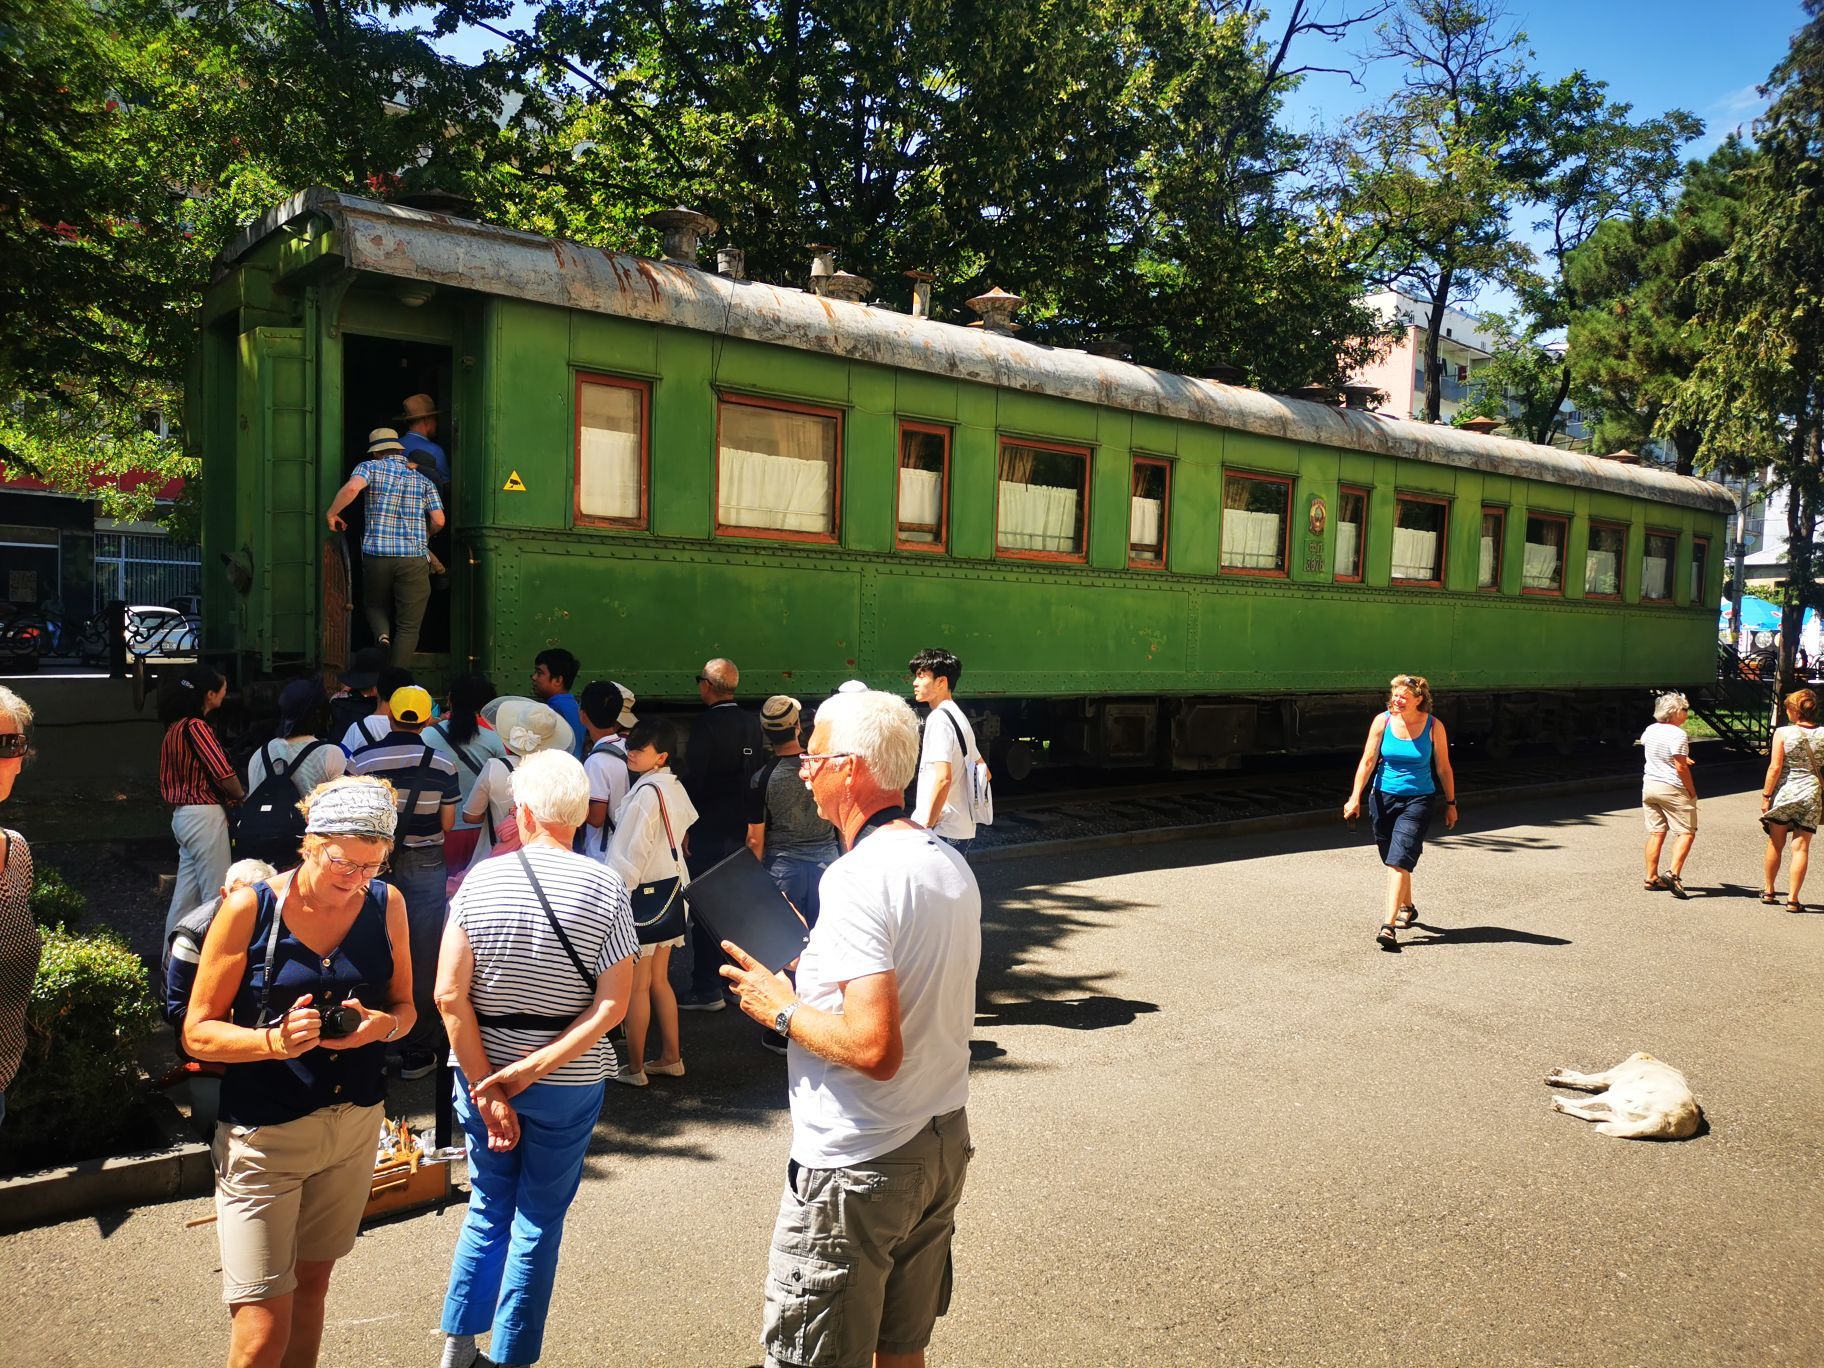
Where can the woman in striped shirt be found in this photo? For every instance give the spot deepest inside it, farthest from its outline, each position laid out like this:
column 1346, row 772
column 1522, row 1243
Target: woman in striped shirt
column 536, row 967
column 195, row 778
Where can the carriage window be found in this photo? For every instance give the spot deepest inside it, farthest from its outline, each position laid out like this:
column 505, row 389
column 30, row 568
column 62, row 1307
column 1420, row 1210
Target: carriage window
column 1656, row 567
column 1543, row 572
column 1700, row 571
column 1418, row 540
column 1494, row 532
column 924, row 476
column 1351, row 532
column 1603, row 561
column 1254, row 523
column 1147, row 512
column 776, row 470
column 1042, row 498
column 610, row 451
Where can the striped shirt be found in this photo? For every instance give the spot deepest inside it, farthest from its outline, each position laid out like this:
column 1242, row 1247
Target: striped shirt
column 397, row 759
column 192, row 767
column 398, row 498
column 521, row 966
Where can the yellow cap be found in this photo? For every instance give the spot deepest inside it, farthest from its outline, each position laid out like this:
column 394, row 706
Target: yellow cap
column 410, row 704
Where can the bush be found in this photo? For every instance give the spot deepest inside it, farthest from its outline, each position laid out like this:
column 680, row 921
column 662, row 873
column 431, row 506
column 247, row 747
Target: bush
column 54, row 903
column 91, row 1008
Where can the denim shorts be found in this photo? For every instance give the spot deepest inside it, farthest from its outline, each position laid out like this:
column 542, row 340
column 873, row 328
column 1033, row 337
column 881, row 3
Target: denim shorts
column 1400, row 821
column 861, row 1255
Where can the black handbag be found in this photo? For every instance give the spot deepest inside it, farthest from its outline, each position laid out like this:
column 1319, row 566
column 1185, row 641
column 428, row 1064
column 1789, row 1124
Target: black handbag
column 658, row 910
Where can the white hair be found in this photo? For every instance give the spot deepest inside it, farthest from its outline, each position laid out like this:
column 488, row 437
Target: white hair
column 1669, row 703
column 722, row 675
column 15, row 708
column 551, row 786
column 246, row 873
column 880, row 728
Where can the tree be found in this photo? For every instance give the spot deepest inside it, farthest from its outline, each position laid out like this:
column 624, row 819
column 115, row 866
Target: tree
column 1522, row 383
column 1757, row 392
column 1428, row 181
column 1635, row 333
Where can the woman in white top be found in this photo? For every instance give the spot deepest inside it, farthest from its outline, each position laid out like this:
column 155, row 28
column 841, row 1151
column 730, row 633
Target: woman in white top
column 643, row 851
column 470, row 742
column 525, row 727
column 1667, row 791
column 1791, row 801
column 303, row 717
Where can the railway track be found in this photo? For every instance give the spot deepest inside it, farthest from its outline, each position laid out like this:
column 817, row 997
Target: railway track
column 1086, row 809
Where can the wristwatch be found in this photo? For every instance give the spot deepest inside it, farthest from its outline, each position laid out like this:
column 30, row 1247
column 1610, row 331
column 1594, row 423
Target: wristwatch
column 782, row 1023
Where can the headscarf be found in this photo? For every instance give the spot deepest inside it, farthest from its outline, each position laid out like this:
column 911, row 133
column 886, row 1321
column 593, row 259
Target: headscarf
column 354, row 806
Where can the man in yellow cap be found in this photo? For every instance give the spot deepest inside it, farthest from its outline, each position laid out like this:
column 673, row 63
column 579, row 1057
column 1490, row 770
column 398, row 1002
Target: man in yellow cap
column 426, row 789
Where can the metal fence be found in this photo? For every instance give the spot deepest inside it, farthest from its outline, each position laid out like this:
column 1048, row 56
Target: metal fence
column 145, row 569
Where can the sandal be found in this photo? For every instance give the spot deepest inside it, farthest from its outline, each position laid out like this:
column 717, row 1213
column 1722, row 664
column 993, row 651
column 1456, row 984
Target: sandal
column 1675, row 884
column 1769, row 897
column 1652, row 885
column 1387, row 938
column 1795, row 906
column 1406, row 916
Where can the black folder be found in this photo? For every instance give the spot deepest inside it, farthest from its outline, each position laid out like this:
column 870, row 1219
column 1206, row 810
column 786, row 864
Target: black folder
column 738, row 901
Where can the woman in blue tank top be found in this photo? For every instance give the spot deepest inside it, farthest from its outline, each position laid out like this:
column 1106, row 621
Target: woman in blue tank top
column 1407, row 756
column 302, row 981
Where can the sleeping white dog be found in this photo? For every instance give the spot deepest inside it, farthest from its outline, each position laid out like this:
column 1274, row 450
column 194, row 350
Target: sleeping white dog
column 1641, row 1098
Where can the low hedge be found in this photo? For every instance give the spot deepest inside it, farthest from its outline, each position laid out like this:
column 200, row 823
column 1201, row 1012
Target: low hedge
column 54, row 902
column 74, row 1097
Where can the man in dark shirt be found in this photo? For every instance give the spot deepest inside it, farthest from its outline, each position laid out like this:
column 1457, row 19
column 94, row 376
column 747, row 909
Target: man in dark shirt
column 426, row 791
column 725, row 749
column 784, row 829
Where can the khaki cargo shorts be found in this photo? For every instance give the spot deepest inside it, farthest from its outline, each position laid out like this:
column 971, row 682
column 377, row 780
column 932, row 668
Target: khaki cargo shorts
column 861, row 1255
column 290, row 1192
column 1669, row 807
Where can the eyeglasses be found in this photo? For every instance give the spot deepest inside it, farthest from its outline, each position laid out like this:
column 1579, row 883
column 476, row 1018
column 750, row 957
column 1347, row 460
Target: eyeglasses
column 811, row 762
column 342, row 866
column 14, row 745
column 703, row 679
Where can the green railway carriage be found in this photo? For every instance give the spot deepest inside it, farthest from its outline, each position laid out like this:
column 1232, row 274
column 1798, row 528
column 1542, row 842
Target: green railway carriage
column 654, row 464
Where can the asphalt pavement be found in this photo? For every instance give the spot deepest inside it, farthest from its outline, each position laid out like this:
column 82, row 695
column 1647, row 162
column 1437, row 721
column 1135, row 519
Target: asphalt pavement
column 1214, row 1124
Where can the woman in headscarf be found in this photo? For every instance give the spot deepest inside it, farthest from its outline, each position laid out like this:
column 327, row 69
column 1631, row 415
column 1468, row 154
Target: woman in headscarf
column 301, row 982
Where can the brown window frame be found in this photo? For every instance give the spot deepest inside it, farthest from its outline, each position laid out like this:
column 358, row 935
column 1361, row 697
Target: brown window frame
column 1285, row 531
column 1165, row 513
column 1671, row 569
column 831, row 538
column 1621, row 561
column 1361, row 546
column 1441, row 501
column 579, row 518
column 1702, row 599
column 1499, row 511
column 1563, row 520
column 1057, row 557
column 942, row 544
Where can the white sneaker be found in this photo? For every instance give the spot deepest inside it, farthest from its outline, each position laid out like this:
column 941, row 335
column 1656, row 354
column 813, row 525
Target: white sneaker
column 630, row 1080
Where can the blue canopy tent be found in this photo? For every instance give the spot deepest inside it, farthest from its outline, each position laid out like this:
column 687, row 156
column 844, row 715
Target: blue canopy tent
column 1758, row 615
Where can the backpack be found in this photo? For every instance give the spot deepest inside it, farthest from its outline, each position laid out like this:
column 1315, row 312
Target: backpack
column 978, row 790
column 267, row 825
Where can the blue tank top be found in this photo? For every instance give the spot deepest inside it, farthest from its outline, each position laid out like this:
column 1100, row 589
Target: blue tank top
column 1405, row 765
column 268, row 1092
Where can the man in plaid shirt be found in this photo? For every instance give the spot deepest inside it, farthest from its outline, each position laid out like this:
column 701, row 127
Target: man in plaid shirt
column 403, row 509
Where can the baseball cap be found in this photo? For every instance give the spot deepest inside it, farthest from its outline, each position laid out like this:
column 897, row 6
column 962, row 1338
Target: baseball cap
column 410, row 704
column 627, row 719
column 779, row 713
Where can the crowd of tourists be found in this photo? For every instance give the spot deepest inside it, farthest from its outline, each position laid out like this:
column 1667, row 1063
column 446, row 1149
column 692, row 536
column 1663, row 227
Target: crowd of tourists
column 495, row 881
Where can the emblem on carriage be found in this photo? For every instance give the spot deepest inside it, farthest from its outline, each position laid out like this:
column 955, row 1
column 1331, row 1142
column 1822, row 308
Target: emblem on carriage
column 1318, row 514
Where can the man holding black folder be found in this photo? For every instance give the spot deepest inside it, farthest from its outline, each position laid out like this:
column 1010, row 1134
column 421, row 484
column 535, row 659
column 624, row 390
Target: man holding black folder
column 878, row 1059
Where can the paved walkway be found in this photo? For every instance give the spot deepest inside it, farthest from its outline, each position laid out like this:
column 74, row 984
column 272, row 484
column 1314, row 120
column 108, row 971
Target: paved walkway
column 1215, row 1124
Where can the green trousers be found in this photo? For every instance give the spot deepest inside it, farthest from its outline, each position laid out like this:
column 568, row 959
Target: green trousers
column 394, row 591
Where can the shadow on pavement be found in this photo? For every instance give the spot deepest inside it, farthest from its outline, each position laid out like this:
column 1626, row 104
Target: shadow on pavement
column 1480, row 935
column 1073, row 1014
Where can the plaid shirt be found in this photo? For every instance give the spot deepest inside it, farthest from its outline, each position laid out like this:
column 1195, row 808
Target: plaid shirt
column 398, row 498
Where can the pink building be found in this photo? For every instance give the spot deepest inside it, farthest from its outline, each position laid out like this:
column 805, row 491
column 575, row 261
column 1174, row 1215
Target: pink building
column 1463, row 349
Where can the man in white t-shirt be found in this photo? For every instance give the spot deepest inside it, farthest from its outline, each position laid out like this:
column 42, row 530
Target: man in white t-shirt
column 947, row 754
column 878, row 1059
column 607, row 712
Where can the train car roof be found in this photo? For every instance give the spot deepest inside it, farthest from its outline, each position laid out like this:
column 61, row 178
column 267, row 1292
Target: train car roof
column 414, row 244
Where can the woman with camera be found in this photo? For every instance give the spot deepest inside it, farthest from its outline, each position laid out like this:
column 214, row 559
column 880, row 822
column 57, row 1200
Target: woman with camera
column 297, row 992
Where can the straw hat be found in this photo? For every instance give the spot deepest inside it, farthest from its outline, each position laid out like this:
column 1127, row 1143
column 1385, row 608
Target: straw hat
column 527, row 726
column 416, row 407
column 384, row 442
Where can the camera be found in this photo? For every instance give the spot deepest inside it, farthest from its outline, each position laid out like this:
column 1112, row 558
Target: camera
column 340, row 1021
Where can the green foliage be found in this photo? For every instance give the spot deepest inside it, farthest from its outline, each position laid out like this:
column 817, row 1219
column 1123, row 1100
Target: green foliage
column 91, row 1007
column 1522, row 383
column 55, row 904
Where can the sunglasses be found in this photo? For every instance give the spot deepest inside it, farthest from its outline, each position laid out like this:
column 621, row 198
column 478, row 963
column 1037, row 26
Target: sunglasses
column 14, row 745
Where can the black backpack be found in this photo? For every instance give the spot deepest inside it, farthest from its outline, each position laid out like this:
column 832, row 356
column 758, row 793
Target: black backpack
column 267, row 824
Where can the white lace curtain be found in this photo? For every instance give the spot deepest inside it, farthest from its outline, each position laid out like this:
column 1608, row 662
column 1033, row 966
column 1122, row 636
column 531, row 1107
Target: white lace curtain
column 1348, row 546
column 921, row 495
column 1655, row 577
column 1486, row 570
column 608, row 452
column 1415, row 554
column 1601, row 572
column 1541, row 569
column 1251, row 541
column 777, row 470
column 1038, row 518
column 1144, row 522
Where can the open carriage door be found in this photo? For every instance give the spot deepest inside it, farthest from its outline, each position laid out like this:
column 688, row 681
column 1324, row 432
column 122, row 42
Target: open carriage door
column 277, row 435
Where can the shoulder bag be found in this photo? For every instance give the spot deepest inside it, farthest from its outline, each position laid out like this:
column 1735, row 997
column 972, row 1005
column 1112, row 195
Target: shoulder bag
column 658, row 911
column 540, row 1021
column 978, row 792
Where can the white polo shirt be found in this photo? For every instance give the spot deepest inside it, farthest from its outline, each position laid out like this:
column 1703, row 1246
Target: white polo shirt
column 941, row 746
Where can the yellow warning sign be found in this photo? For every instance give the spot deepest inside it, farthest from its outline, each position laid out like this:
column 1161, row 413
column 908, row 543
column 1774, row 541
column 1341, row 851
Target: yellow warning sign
column 514, row 484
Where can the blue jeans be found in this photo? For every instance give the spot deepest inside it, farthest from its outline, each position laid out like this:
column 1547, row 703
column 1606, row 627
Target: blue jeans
column 506, row 1256
column 418, row 873
column 960, row 844
column 798, row 880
